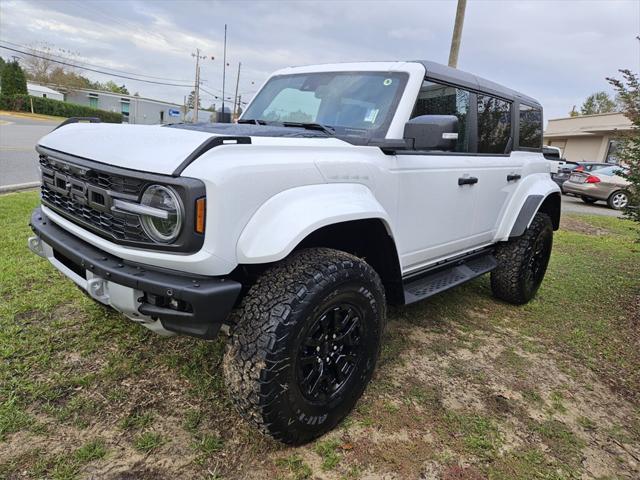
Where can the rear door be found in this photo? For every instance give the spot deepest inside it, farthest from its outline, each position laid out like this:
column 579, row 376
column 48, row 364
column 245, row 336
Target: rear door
column 498, row 169
column 502, row 125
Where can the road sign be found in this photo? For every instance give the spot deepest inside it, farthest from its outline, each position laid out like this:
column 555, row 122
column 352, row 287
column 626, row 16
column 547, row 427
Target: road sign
column 174, row 112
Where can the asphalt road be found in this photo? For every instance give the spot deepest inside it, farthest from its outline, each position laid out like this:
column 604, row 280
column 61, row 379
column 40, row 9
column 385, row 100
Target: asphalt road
column 18, row 158
column 19, row 161
column 574, row 204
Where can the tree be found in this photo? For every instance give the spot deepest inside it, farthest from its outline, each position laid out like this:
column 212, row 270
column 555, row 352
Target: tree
column 628, row 92
column 40, row 63
column 599, row 102
column 111, row 86
column 2, row 64
column 191, row 100
column 13, row 80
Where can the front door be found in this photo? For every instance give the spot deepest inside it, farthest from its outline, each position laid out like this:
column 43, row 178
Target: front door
column 435, row 212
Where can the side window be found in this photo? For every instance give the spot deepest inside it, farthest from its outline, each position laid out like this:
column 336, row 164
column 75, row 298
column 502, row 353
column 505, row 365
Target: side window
column 494, row 124
column 530, row 127
column 436, row 99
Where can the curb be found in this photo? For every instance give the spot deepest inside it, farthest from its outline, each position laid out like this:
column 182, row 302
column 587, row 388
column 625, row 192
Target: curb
column 18, row 186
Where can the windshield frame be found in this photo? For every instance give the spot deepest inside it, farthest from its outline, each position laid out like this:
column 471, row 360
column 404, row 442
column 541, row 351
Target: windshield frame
column 345, row 132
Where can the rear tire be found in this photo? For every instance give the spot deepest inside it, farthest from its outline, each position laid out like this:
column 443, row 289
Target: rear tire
column 589, row 200
column 618, row 200
column 522, row 262
column 305, row 343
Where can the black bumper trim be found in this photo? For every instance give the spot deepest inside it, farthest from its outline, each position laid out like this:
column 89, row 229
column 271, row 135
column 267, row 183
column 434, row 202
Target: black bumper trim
column 211, row 298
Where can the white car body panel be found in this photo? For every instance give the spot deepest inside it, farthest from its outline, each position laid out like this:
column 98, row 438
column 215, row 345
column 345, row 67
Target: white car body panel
column 147, row 148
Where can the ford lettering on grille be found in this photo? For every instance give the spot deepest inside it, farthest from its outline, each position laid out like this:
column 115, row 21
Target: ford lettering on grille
column 79, row 194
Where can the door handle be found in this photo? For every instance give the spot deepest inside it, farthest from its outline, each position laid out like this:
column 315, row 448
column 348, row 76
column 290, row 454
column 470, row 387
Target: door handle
column 467, row 180
column 513, row 177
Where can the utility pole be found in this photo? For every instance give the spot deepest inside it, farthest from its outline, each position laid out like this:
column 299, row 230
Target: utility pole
column 196, row 90
column 235, row 97
column 196, row 94
column 457, row 34
column 224, row 69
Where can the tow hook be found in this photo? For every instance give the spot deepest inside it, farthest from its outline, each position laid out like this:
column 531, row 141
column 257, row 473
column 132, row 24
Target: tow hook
column 97, row 288
column 35, row 245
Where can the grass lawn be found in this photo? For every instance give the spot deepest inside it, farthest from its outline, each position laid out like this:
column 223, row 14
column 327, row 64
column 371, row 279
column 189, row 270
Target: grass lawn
column 467, row 387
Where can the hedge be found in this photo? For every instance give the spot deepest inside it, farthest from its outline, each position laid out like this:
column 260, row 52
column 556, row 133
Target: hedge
column 48, row 106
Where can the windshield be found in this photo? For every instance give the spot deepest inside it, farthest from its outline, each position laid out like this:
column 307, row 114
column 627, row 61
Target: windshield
column 351, row 103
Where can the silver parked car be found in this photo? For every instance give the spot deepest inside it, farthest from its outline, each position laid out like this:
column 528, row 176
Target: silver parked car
column 602, row 184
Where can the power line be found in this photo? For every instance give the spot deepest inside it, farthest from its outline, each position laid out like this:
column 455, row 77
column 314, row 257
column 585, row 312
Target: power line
column 48, row 54
column 217, row 97
column 95, row 70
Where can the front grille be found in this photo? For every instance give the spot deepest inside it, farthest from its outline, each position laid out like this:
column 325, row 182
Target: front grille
column 84, row 192
column 120, row 228
column 108, row 181
column 75, row 198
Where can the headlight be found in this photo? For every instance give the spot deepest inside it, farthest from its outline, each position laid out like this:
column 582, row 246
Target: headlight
column 163, row 230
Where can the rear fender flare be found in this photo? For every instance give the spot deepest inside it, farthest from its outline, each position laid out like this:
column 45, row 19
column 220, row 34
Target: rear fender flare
column 538, row 192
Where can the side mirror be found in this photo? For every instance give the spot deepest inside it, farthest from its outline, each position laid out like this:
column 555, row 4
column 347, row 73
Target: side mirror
column 432, row 132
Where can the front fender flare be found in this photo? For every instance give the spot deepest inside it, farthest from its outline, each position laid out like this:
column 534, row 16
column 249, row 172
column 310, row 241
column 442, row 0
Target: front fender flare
column 283, row 221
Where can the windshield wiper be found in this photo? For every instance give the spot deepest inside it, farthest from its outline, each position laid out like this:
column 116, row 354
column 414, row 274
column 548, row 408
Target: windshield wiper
column 252, row 121
column 328, row 129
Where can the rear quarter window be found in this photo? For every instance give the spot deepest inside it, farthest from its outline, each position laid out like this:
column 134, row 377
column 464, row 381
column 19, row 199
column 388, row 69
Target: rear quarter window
column 530, row 128
column 494, row 124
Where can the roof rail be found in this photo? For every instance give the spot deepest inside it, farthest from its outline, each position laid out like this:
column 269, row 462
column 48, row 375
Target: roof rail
column 77, row 120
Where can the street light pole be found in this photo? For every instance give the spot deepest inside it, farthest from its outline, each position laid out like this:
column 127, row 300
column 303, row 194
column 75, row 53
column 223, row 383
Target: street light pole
column 224, row 69
column 457, row 34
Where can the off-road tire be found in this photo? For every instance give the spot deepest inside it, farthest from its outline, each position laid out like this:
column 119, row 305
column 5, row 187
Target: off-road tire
column 522, row 262
column 588, row 200
column 272, row 325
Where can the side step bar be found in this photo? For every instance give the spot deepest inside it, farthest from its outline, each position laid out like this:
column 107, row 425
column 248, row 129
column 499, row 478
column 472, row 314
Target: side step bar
column 432, row 283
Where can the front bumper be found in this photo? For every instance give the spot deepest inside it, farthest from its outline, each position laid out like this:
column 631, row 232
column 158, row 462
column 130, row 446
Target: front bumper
column 163, row 300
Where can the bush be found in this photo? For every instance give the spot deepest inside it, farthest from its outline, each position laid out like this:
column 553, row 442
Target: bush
column 13, row 80
column 628, row 92
column 48, row 106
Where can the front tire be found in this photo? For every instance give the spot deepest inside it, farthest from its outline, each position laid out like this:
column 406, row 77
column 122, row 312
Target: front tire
column 522, row 262
column 305, row 343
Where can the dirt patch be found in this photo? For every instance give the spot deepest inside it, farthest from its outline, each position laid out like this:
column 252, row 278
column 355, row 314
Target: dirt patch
column 573, row 224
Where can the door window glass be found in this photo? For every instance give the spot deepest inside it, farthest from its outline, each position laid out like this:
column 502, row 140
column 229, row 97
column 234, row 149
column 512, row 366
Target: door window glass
column 530, row 127
column 436, row 99
column 494, row 124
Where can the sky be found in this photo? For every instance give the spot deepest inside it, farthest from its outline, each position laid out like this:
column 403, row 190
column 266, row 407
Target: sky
column 558, row 52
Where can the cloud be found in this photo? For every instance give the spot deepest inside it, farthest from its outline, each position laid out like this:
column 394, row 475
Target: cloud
column 558, row 52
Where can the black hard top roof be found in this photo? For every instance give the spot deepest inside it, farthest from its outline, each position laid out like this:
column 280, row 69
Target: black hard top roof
column 446, row 74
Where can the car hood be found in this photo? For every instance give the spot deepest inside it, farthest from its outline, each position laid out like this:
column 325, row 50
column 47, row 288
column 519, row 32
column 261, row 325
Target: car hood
column 152, row 148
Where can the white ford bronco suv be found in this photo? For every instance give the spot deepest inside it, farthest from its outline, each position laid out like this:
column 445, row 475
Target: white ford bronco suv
column 343, row 188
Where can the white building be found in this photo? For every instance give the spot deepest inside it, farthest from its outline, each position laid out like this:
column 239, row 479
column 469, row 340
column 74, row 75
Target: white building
column 36, row 90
